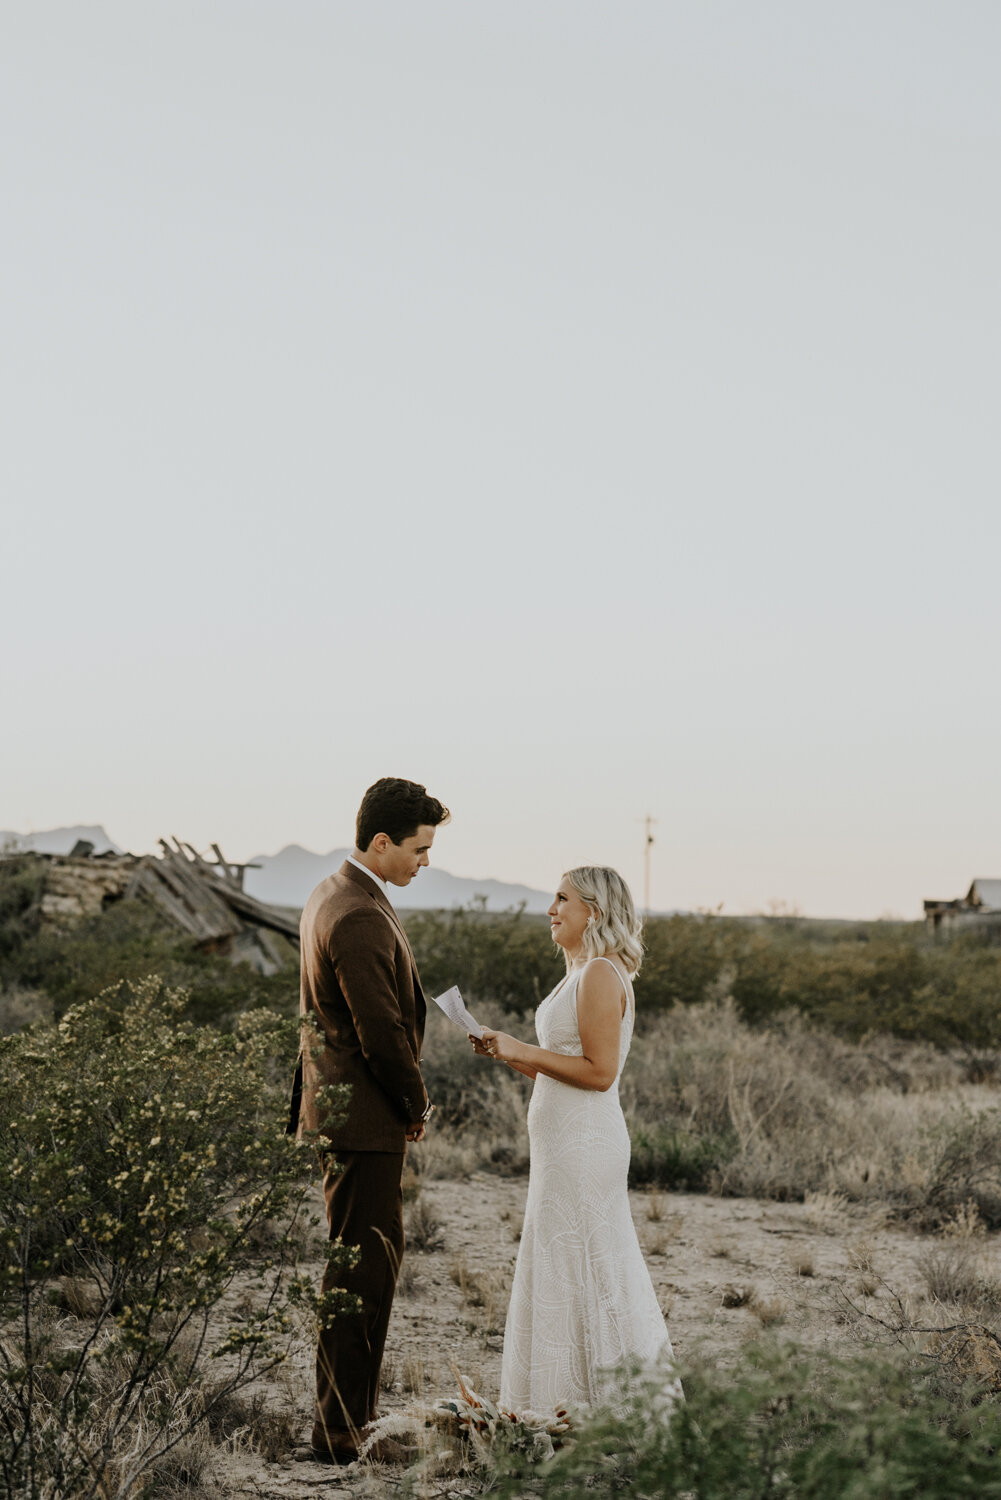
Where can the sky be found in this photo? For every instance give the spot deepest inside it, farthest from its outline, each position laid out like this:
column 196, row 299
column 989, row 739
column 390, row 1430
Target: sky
column 587, row 410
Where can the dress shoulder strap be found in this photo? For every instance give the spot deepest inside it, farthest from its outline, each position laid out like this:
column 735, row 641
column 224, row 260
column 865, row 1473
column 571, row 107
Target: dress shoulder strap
column 601, row 959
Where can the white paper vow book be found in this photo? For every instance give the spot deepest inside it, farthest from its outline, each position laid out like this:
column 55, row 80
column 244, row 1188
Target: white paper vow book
column 452, row 1003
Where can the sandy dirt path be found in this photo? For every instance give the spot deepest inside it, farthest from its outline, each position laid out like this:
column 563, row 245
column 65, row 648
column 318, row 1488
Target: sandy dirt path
column 722, row 1268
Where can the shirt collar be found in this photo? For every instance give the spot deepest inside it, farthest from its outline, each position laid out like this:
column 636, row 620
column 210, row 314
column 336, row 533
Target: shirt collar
column 370, row 873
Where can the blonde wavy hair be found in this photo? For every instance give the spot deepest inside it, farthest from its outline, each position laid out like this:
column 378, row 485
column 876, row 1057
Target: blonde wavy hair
column 616, row 928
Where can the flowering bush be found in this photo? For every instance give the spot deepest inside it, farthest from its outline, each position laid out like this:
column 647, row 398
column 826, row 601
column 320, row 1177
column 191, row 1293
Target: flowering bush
column 143, row 1170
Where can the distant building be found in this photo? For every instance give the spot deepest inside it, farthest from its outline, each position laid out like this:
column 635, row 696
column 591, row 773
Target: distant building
column 979, row 910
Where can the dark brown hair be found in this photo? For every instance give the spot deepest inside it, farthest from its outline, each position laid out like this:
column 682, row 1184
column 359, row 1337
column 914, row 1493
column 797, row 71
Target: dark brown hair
column 397, row 807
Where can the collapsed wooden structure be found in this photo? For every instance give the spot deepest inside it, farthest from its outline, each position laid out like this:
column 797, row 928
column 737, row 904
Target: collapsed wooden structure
column 201, row 898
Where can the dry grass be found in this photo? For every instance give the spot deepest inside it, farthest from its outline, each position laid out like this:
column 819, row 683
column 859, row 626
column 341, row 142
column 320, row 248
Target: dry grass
column 861, row 1254
column 450, row 1157
column 965, row 1223
column 824, row 1208
column 256, row 1420
column 470, row 1285
column 785, row 1112
column 74, row 1295
column 417, row 1375
column 183, row 1469
column 422, row 1227
column 662, row 1227
column 955, row 1273
column 409, row 1279
column 272, row 1433
column 769, row 1311
column 413, row 1376
column 950, row 1272
column 971, row 1354
column 656, row 1241
column 798, row 1114
column 656, row 1206
column 486, row 1294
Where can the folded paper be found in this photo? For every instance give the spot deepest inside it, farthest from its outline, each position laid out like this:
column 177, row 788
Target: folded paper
column 452, row 1003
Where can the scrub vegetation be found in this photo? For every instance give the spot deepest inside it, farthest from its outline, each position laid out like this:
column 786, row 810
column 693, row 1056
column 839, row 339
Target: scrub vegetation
column 160, row 1250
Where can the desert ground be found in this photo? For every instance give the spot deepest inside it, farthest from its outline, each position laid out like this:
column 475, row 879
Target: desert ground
column 818, row 1272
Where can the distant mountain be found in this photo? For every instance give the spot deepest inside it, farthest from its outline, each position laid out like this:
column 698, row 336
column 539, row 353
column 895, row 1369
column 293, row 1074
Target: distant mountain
column 58, row 840
column 286, row 879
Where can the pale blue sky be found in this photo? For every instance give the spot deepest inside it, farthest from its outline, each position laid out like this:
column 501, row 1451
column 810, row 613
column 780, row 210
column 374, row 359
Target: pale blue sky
column 587, row 409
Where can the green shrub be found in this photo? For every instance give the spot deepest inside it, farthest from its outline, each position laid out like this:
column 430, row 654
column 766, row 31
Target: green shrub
column 785, row 1425
column 21, row 882
column 143, row 1164
column 126, row 941
column 507, row 957
column 855, row 979
column 683, row 961
column 678, row 1158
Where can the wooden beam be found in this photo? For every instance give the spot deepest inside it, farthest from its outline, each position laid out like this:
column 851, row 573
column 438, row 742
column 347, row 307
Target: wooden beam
column 260, row 914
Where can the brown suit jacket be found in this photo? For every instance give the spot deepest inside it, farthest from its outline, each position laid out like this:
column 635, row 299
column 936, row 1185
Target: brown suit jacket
column 359, row 985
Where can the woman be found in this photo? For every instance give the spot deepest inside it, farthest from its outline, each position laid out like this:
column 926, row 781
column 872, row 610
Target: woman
column 582, row 1300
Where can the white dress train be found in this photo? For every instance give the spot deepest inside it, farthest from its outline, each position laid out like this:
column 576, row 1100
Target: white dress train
column 582, row 1302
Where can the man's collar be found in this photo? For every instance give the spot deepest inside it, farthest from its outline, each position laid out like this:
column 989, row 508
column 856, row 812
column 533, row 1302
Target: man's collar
column 370, row 873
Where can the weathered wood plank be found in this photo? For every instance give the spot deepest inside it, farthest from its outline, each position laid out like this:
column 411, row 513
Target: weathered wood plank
column 261, row 915
column 150, row 886
column 228, row 873
column 204, row 891
column 207, row 909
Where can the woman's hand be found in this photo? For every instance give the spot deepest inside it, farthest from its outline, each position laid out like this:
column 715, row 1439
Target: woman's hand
column 501, row 1046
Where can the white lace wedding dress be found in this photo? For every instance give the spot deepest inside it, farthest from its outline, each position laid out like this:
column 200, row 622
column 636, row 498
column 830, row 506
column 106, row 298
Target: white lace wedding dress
column 582, row 1300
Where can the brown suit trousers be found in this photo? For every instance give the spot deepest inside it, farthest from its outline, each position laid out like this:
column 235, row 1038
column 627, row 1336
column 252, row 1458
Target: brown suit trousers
column 364, row 1208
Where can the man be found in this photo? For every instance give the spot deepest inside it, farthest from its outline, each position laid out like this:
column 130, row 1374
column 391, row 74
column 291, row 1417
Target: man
column 363, row 1012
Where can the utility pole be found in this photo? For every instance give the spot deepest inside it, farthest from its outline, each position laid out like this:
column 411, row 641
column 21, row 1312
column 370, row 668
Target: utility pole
column 648, row 824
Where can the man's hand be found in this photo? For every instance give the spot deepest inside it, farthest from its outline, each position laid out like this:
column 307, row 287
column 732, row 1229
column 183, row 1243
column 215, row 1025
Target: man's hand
column 416, row 1130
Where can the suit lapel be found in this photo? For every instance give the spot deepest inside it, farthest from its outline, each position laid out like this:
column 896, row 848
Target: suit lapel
column 384, row 904
column 387, row 907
